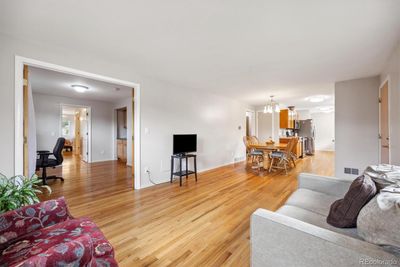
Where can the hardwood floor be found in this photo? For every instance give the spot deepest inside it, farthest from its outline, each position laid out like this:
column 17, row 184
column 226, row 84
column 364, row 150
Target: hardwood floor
column 199, row 224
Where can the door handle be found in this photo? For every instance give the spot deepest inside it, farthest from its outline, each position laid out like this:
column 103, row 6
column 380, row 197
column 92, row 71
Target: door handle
column 385, row 146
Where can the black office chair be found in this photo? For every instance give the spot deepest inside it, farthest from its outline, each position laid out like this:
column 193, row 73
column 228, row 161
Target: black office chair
column 45, row 162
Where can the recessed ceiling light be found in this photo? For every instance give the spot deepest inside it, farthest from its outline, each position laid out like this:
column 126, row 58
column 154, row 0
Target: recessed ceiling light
column 325, row 108
column 80, row 88
column 316, row 98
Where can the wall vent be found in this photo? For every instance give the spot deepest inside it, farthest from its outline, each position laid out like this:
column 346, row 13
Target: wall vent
column 354, row 171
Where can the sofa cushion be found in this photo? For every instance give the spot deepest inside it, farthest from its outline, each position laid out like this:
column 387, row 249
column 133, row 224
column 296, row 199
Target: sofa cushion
column 344, row 212
column 75, row 242
column 377, row 226
column 311, row 200
column 314, row 219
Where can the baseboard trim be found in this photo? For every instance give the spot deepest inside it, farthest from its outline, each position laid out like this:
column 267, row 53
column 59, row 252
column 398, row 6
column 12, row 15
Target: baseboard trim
column 102, row 160
column 199, row 172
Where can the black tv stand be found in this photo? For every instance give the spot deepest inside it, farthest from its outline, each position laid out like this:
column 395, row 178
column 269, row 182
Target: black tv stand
column 181, row 172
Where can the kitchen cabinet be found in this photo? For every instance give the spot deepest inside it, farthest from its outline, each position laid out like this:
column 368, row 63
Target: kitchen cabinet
column 121, row 150
column 287, row 118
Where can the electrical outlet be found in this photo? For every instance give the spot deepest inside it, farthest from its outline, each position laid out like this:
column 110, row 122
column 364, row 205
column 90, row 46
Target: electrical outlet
column 347, row 170
column 147, row 169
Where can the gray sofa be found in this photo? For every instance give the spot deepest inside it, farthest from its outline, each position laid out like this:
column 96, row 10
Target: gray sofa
column 297, row 234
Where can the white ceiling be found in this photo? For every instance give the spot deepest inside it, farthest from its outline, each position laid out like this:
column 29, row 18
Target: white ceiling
column 55, row 83
column 242, row 49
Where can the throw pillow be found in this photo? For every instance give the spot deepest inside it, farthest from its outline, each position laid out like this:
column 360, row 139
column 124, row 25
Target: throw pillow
column 377, row 226
column 343, row 212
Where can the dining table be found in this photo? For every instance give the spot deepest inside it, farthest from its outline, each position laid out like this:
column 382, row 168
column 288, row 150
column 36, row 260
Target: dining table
column 267, row 148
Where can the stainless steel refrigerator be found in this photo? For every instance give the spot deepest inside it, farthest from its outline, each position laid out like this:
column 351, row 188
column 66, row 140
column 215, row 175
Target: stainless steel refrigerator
column 307, row 131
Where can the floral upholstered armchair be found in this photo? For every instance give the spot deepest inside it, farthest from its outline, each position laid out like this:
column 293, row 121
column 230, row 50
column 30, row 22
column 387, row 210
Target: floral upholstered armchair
column 45, row 234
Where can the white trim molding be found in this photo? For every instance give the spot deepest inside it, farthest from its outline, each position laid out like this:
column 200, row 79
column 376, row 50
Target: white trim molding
column 19, row 145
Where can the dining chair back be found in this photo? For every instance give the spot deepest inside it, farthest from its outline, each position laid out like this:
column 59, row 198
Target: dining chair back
column 256, row 156
column 254, row 140
column 284, row 157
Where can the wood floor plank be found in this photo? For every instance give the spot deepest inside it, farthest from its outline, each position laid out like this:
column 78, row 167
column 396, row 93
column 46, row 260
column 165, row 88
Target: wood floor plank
column 199, row 224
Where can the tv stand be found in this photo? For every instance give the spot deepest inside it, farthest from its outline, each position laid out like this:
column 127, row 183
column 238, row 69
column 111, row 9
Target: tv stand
column 181, row 172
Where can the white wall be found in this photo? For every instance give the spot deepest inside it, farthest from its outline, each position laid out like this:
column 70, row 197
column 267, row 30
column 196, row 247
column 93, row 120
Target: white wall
column 165, row 109
column 303, row 114
column 356, row 124
column 47, row 114
column 267, row 125
column 392, row 71
column 324, row 130
column 265, row 129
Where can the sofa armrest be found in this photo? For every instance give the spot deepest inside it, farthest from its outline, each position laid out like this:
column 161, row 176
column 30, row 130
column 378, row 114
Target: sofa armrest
column 19, row 222
column 279, row 240
column 324, row 184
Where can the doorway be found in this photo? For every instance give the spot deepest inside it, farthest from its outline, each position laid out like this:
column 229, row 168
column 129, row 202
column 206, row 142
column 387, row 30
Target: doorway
column 121, row 125
column 22, row 65
column 250, row 123
column 75, row 128
column 384, row 127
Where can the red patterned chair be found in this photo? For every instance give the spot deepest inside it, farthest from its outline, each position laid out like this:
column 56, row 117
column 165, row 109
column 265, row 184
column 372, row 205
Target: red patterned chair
column 45, row 234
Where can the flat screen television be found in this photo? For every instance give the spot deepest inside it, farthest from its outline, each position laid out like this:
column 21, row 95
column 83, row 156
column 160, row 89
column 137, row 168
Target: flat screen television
column 184, row 143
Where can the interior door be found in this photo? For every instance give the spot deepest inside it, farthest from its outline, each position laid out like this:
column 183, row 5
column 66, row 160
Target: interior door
column 384, row 124
column 84, row 134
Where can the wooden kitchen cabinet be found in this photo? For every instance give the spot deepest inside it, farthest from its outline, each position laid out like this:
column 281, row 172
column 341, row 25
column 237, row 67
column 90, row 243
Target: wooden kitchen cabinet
column 121, row 150
column 286, row 119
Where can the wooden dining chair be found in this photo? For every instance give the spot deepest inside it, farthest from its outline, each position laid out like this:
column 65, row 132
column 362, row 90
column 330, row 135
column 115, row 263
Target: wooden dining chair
column 284, row 157
column 254, row 140
column 256, row 156
column 246, row 141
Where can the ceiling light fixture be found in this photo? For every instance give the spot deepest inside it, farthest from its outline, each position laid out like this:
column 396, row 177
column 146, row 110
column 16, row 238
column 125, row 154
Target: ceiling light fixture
column 272, row 106
column 325, row 108
column 80, row 88
column 316, row 98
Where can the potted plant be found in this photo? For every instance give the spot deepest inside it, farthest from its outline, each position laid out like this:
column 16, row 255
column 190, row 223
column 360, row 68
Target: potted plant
column 19, row 191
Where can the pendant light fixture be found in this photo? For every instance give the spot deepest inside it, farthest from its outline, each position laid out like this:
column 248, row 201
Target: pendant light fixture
column 272, row 106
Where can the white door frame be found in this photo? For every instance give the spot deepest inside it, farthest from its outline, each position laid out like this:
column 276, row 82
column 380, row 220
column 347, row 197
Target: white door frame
column 387, row 79
column 89, row 125
column 19, row 136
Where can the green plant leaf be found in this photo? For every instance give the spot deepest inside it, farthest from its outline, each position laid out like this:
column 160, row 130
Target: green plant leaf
column 18, row 191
